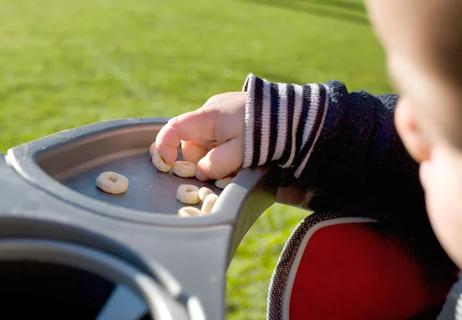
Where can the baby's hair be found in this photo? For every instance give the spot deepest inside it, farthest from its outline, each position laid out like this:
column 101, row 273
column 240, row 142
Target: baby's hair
column 434, row 27
column 444, row 34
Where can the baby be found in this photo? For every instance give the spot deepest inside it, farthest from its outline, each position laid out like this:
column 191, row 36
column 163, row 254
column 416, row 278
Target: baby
column 341, row 150
column 424, row 60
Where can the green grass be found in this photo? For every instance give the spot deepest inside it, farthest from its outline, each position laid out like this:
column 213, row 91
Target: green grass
column 68, row 63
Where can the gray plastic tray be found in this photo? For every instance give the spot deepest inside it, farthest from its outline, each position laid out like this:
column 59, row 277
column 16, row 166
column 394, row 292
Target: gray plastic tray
column 149, row 190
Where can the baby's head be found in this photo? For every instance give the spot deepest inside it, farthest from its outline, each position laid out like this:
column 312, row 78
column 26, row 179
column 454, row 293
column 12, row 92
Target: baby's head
column 423, row 43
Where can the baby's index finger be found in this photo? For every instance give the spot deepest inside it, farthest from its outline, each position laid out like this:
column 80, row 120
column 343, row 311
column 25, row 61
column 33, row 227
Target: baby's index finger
column 189, row 126
column 167, row 142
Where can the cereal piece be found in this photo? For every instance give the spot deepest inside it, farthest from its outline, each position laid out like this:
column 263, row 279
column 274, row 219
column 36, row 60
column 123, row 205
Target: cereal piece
column 184, row 169
column 189, row 212
column 152, row 148
column 188, row 194
column 222, row 183
column 208, row 203
column 112, row 182
column 204, row 192
column 157, row 160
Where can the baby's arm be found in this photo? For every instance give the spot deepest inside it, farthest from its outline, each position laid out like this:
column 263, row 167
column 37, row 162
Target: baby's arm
column 343, row 157
column 339, row 150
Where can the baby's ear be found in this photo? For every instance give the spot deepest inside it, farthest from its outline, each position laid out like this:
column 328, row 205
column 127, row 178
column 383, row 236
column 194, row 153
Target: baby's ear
column 414, row 139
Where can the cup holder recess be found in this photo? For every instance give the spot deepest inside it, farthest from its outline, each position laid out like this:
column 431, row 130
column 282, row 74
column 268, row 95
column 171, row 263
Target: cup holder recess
column 57, row 280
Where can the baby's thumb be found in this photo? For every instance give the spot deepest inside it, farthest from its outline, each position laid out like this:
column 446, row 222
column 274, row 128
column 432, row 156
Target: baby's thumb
column 221, row 161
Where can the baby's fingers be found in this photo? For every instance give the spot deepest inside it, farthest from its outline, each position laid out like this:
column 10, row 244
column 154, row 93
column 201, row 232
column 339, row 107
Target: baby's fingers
column 192, row 151
column 194, row 125
column 221, row 161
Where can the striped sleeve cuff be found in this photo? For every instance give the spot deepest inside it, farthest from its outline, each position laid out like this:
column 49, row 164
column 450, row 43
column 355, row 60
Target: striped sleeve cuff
column 282, row 122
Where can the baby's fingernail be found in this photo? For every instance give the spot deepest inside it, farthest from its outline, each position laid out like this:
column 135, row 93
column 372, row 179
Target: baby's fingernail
column 200, row 175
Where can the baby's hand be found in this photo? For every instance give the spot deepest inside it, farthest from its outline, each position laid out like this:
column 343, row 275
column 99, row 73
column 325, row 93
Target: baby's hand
column 212, row 136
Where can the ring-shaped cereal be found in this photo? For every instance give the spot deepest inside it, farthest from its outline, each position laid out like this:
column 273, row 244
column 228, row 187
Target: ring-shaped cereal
column 204, row 192
column 189, row 212
column 112, row 182
column 184, row 169
column 157, row 160
column 222, row 183
column 188, row 194
column 208, row 203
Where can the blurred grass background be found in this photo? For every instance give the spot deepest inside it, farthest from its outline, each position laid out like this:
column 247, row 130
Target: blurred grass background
column 69, row 63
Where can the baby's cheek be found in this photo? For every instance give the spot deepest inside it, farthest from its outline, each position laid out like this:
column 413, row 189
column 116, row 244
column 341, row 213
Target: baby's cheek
column 444, row 205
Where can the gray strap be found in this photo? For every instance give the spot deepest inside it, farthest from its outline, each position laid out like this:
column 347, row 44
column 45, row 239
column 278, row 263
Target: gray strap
column 452, row 308
column 123, row 304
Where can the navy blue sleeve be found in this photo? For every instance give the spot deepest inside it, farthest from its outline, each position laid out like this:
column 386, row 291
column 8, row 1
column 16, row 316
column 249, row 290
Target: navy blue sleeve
column 359, row 161
column 341, row 147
